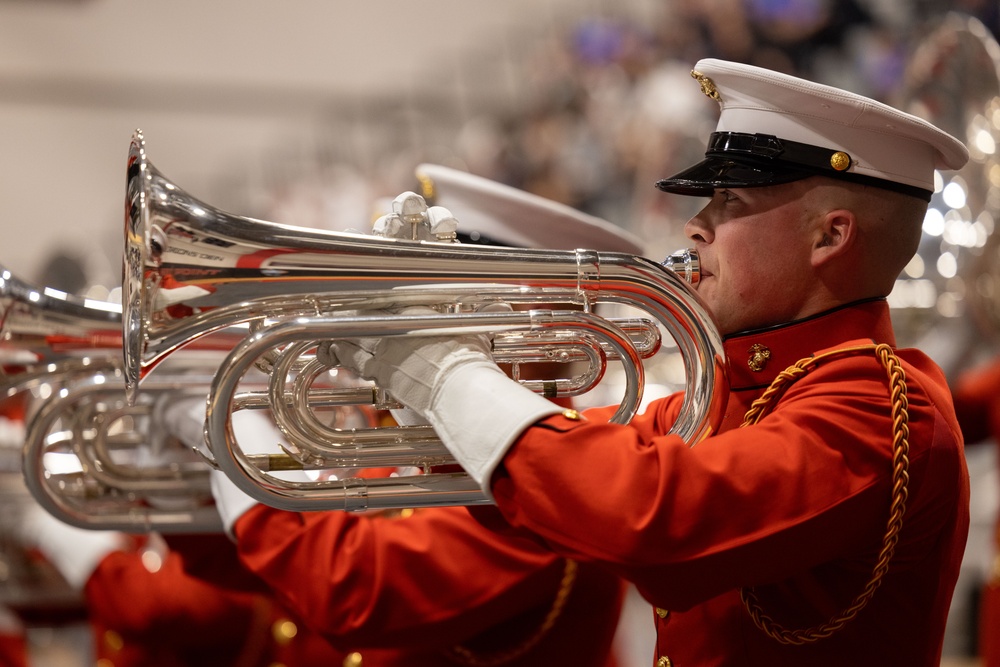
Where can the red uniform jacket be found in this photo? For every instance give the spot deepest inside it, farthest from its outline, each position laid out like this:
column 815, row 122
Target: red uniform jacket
column 13, row 650
column 977, row 404
column 153, row 614
column 795, row 506
column 432, row 587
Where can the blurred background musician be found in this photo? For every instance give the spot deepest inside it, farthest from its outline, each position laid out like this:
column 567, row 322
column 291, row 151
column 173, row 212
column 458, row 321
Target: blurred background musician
column 144, row 610
column 977, row 406
column 129, row 592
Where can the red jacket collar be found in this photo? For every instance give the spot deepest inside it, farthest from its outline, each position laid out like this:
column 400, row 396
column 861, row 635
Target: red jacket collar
column 774, row 349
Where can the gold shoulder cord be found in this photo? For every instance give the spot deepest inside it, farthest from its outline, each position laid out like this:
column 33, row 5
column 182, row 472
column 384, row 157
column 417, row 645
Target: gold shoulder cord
column 900, row 479
column 465, row 656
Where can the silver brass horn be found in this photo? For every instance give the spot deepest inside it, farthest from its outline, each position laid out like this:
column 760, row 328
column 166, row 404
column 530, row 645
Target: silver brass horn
column 88, row 459
column 61, row 355
column 191, row 269
column 45, row 333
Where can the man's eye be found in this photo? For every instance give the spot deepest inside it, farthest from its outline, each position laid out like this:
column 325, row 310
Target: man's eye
column 726, row 195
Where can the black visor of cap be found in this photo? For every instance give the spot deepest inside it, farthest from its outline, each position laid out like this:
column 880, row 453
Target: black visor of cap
column 718, row 172
column 742, row 160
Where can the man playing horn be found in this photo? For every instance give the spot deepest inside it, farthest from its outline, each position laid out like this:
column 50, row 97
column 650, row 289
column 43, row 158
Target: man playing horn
column 825, row 520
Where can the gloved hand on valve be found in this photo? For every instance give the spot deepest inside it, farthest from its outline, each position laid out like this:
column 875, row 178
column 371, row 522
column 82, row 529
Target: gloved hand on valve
column 255, row 433
column 454, row 385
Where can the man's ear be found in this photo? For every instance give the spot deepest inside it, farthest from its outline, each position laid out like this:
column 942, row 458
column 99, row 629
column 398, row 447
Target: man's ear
column 834, row 236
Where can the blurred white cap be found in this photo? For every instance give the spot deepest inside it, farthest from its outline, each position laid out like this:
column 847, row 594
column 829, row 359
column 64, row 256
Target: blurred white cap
column 489, row 212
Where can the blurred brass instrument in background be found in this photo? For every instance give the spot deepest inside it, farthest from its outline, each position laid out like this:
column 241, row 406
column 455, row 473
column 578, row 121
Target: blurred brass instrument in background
column 88, row 458
column 94, row 462
column 191, row 269
column 953, row 284
column 47, row 335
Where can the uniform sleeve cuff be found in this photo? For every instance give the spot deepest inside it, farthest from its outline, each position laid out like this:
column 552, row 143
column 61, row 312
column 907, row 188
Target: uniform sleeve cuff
column 478, row 412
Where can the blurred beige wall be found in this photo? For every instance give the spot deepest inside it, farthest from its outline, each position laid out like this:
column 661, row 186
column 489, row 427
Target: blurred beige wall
column 214, row 86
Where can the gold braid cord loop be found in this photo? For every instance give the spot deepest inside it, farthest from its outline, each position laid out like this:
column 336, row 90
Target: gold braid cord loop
column 900, row 480
column 465, row 656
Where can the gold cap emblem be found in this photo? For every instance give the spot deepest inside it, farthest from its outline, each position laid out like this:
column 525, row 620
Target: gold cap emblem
column 707, row 85
column 427, row 189
column 759, row 354
column 840, row 160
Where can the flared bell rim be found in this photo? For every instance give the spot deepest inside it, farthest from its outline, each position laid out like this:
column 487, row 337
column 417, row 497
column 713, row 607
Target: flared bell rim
column 138, row 171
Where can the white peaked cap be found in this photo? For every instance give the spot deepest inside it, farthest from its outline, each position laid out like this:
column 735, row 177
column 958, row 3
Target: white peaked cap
column 508, row 216
column 784, row 128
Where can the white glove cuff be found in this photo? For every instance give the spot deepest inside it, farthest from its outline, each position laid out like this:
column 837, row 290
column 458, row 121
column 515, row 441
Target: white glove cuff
column 408, row 417
column 479, row 412
column 230, row 500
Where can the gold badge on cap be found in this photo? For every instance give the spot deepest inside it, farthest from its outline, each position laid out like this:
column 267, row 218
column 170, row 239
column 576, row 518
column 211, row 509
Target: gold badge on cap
column 840, row 161
column 427, row 189
column 759, row 354
column 707, row 85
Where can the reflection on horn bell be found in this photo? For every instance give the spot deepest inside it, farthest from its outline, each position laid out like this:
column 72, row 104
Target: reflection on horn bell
column 191, row 269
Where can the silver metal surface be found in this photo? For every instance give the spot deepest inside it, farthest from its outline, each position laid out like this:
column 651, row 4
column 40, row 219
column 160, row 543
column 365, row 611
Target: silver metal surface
column 117, row 468
column 191, row 269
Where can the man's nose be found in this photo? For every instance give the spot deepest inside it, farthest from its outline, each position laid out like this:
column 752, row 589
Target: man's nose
column 697, row 229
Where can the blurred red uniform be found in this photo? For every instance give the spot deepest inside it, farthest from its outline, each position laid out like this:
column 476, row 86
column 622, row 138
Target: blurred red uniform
column 13, row 650
column 146, row 611
column 13, row 645
column 431, row 587
column 428, row 587
column 977, row 404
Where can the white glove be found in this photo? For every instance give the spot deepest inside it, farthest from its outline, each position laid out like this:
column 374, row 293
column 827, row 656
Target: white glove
column 476, row 410
column 479, row 412
column 74, row 552
column 184, row 419
column 255, row 433
column 230, row 500
column 408, row 367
